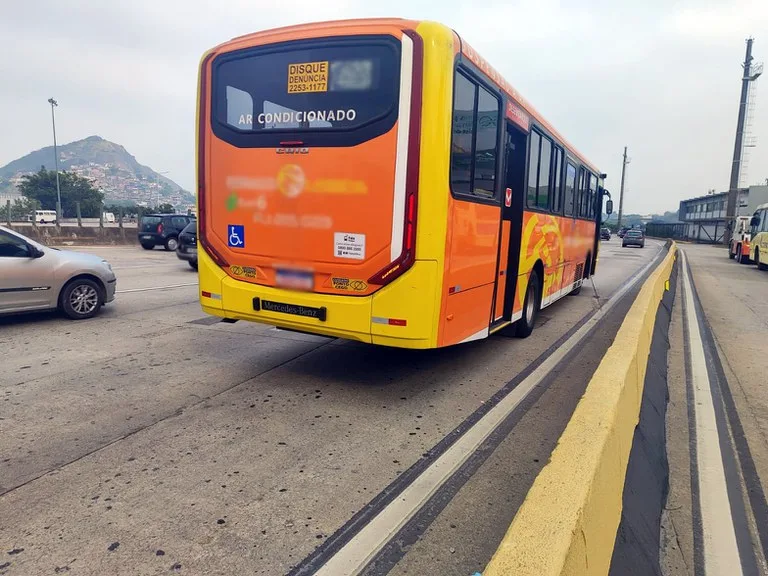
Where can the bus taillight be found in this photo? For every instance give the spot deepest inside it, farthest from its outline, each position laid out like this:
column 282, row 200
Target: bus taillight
column 408, row 255
column 202, row 211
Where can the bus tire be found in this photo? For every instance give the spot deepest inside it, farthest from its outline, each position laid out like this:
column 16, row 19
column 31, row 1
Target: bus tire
column 531, row 306
column 760, row 265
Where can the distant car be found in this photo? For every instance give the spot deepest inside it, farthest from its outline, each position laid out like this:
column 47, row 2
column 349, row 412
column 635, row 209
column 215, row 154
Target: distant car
column 633, row 237
column 187, row 249
column 43, row 217
column 605, row 234
column 36, row 277
column 162, row 230
column 621, row 232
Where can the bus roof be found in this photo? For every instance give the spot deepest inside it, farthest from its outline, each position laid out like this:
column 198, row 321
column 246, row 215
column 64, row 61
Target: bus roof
column 465, row 49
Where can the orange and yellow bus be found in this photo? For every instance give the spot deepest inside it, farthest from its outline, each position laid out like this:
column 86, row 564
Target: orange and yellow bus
column 377, row 180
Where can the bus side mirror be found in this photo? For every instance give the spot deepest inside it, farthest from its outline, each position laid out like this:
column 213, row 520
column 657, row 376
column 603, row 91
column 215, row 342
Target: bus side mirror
column 609, row 207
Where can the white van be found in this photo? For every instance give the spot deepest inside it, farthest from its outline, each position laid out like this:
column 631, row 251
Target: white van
column 109, row 217
column 45, row 216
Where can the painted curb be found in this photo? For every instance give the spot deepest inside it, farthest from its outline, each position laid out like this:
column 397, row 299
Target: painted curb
column 568, row 521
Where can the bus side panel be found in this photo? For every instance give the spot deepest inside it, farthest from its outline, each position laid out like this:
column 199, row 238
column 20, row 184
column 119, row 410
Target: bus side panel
column 435, row 205
column 544, row 240
column 577, row 249
column 467, row 315
column 471, row 258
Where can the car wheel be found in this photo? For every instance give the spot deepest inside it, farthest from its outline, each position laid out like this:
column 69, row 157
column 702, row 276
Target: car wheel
column 193, row 264
column 81, row 299
column 742, row 258
column 147, row 246
column 171, row 244
column 530, row 307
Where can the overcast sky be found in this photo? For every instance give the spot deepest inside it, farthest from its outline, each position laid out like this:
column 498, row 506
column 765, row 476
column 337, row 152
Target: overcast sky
column 661, row 77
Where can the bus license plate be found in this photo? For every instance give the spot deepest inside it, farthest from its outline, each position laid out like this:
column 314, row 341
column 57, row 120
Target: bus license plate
column 295, row 279
column 294, row 309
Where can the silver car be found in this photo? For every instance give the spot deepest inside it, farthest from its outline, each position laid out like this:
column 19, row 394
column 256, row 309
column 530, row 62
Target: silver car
column 36, row 277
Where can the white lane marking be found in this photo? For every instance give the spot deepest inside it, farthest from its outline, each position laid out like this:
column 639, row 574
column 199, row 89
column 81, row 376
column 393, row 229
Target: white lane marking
column 401, row 158
column 359, row 551
column 168, row 287
column 721, row 552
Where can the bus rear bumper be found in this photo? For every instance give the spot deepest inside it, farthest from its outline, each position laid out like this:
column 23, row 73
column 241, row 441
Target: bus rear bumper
column 401, row 314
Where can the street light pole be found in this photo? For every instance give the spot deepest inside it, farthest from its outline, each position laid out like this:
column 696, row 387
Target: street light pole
column 53, row 104
column 624, row 163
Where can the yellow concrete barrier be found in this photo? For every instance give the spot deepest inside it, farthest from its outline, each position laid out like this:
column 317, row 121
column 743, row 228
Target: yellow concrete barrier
column 568, row 521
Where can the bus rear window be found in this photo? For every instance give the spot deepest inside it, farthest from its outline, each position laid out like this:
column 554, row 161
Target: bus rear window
column 317, row 86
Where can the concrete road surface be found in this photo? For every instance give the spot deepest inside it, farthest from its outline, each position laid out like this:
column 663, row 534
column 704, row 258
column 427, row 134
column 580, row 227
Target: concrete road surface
column 717, row 422
column 154, row 439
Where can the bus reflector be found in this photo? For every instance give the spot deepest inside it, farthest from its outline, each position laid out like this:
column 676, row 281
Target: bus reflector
column 389, row 321
column 211, row 295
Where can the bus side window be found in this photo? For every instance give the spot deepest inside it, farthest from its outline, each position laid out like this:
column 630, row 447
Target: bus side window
column 545, row 173
column 557, row 194
column 475, row 139
column 463, row 135
column 486, row 144
column 570, row 188
column 592, row 196
column 533, row 168
column 579, row 211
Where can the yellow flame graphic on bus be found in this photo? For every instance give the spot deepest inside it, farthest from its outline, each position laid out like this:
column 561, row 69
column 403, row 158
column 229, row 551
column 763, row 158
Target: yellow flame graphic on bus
column 291, row 180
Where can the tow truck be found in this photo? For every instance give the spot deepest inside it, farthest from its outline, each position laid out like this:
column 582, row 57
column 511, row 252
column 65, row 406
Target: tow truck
column 738, row 247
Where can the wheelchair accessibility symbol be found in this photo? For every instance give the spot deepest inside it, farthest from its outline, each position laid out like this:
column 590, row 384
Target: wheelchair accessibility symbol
column 235, row 236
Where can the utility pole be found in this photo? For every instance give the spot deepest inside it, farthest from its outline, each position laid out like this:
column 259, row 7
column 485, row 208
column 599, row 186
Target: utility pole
column 733, row 187
column 624, row 163
column 53, row 104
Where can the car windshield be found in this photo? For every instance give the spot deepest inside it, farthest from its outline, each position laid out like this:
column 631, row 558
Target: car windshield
column 634, row 233
column 190, row 228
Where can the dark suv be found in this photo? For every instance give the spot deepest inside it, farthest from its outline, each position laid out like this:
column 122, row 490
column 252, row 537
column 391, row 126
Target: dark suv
column 162, row 230
column 187, row 249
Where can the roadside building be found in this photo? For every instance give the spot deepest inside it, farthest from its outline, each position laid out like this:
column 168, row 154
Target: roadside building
column 704, row 216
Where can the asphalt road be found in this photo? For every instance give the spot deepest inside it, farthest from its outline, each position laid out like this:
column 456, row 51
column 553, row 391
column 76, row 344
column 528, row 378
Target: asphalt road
column 154, row 439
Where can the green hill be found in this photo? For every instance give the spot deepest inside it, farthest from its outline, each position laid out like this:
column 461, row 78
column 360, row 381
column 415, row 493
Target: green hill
column 110, row 166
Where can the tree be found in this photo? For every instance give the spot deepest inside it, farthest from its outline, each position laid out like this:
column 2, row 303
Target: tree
column 23, row 207
column 42, row 187
column 166, row 209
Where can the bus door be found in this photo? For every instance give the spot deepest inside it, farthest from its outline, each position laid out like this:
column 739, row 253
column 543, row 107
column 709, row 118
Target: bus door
column 512, row 202
column 570, row 210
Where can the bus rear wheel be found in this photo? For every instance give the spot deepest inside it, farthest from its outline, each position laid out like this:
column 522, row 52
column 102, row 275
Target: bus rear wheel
column 531, row 306
column 760, row 264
